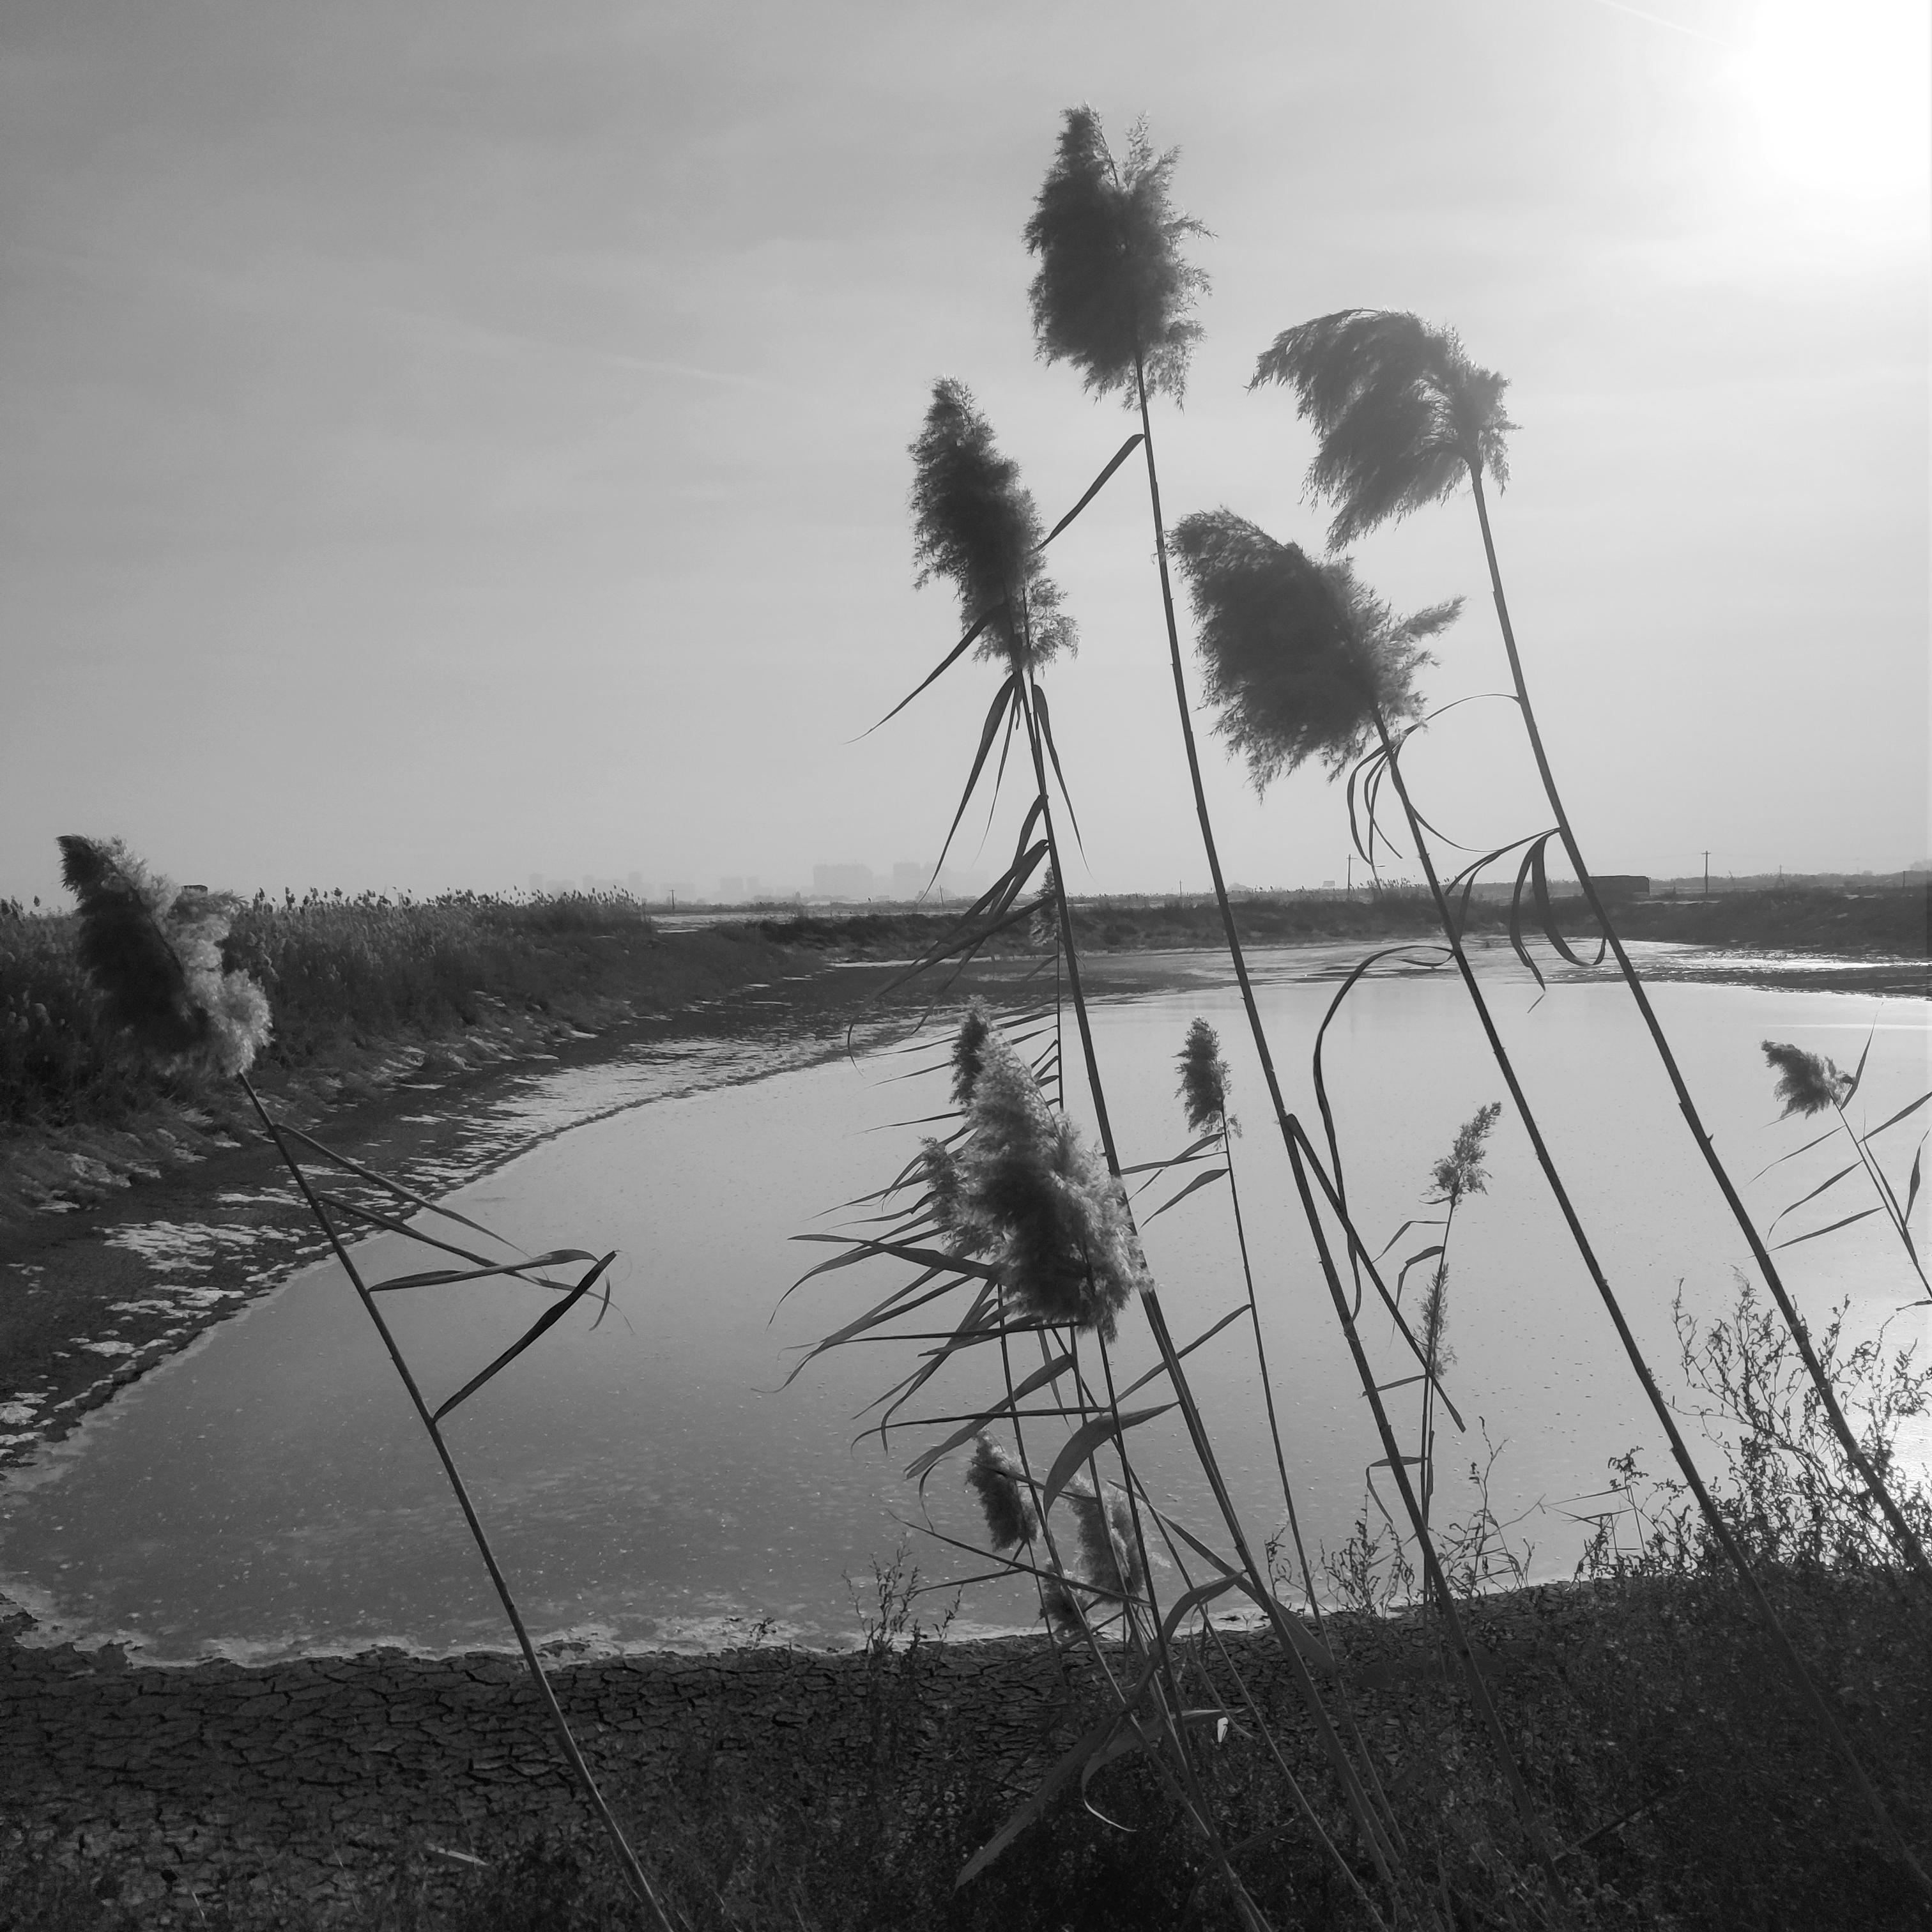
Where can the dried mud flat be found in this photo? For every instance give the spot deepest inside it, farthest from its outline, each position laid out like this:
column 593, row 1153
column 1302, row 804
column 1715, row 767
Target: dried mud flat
column 304, row 1781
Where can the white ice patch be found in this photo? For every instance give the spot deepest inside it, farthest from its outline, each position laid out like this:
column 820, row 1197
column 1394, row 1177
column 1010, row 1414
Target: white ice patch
column 193, row 1248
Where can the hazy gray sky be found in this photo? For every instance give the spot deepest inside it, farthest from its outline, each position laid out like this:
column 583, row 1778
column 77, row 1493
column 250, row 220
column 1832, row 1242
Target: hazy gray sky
column 448, row 441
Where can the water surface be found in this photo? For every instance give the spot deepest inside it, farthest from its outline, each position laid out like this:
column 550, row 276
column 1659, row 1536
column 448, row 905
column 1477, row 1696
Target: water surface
column 651, row 1479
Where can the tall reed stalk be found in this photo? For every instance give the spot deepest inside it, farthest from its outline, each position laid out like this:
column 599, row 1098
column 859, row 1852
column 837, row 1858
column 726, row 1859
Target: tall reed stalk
column 1404, row 417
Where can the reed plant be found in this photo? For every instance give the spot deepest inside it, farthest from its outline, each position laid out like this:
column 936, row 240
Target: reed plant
column 1043, row 1241
column 1112, row 294
column 154, row 957
column 1321, row 628
column 1808, row 1084
column 1457, row 1176
column 1403, row 417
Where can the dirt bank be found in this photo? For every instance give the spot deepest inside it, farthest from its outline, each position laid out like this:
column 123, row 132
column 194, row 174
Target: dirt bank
column 1663, row 1749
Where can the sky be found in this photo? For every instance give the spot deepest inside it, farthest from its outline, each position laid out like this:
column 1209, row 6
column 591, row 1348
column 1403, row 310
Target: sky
column 445, row 443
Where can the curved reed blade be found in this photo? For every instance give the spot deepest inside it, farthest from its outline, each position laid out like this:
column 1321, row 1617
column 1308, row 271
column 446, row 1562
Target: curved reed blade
column 1856, row 1167
column 1859, row 1071
column 1200, row 1180
column 1053, row 752
column 1415, row 1260
column 1093, row 489
column 1081, row 1446
column 996, row 714
column 945, row 664
column 1832, row 1229
column 1415, row 1221
column 923, row 1465
column 541, row 1326
column 1043, row 1794
column 394, row 1186
column 438, row 1277
column 1200, row 1341
column 1867, row 1138
column 1546, row 912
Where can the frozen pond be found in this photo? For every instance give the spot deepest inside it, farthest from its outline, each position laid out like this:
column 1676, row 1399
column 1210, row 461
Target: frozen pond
column 649, row 1481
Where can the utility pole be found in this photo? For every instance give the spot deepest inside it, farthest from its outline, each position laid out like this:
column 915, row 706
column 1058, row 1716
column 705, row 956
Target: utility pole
column 1707, row 875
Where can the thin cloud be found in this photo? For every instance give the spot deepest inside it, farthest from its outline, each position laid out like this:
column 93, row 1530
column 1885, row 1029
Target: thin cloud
column 1658, row 20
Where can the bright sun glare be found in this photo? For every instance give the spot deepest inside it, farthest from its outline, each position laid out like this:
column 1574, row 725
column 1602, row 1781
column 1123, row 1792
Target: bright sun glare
column 1838, row 91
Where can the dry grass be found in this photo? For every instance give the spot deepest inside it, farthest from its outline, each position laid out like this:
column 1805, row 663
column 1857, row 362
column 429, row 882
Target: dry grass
column 339, row 971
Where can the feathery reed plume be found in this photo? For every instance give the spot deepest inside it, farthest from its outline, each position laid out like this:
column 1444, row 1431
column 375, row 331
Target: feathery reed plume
column 995, row 1476
column 155, row 956
column 968, row 1049
column 1401, row 412
column 1458, row 1175
column 1113, row 293
column 1807, row 1082
column 1043, row 1204
column 939, row 1167
column 1204, row 1077
column 1302, row 658
column 974, row 524
column 1104, row 1535
column 1460, row 1172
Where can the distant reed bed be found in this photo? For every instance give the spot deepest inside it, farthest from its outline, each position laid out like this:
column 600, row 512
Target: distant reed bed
column 368, row 970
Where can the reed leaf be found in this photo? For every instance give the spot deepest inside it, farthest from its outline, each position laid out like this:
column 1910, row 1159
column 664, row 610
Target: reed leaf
column 1822, row 1187
column 437, row 1277
column 1200, row 1180
column 939, row 670
column 548, row 1320
column 1832, row 1229
column 1085, row 1442
column 1902, row 1113
column 1093, row 489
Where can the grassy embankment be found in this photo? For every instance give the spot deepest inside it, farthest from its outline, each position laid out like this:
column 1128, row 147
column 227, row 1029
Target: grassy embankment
column 365, row 992
column 354, row 981
column 1892, row 922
